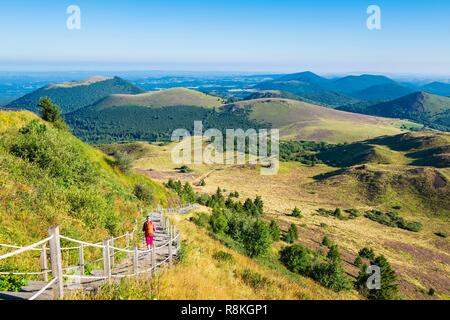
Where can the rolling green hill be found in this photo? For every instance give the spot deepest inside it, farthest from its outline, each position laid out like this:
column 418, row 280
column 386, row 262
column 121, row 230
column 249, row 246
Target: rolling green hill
column 264, row 94
column 153, row 116
column 412, row 148
column 163, row 98
column 49, row 177
column 422, row 107
column 71, row 96
column 304, row 121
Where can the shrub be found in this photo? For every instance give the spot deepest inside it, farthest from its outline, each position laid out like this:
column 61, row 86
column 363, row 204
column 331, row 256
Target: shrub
column 254, row 279
column 296, row 213
column 297, row 259
column 412, row 226
column 184, row 169
column 144, row 193
column 337, row 213
column 353, row 213
column 274, row 230
column 201, row 219
column 333, row 253
column 441, row 234
column 223, row 256
column 327, row 242
column 257, row 239
column 183, row 252
column 202, row 183
column 367, row 253
column 332, row 276
column 123, row 161
column 393, row 219
column 12, row 283
column 323, row 225
column 358, row 262
column 41, row 145
column 218, row 222
column 292, row 234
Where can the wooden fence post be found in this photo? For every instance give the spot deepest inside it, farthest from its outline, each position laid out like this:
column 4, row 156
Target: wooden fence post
column 136, row 261
column 170, row 246
column 81, row 253
column 44, row 265
column 127, row 241
column 106, row 260
column 153, row 258
column 56, row 261
column 111, row 254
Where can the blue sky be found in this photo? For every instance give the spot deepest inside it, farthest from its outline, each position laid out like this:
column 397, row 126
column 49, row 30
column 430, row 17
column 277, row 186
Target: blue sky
column 246, row 35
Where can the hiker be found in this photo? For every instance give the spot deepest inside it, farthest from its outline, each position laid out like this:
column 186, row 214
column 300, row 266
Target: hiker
column 149, row 232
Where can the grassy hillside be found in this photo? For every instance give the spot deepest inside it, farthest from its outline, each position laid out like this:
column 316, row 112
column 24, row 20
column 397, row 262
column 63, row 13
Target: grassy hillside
column 422, row 107
column 278, row 94
column 303, row 121
column 159, row 99
column 75, row 95
column 48, row 177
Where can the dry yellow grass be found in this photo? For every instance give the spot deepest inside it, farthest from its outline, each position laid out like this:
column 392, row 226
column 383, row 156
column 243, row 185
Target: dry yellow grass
column 417, row 257
column 201, row 277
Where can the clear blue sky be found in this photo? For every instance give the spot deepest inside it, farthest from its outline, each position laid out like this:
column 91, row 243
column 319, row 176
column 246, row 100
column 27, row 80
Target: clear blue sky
column 248, row 35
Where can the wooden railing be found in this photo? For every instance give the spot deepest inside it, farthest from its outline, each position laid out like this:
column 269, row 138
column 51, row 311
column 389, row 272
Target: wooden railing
column 134, row 265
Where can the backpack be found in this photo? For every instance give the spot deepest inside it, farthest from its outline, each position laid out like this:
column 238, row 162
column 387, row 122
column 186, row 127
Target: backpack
column 149, row 229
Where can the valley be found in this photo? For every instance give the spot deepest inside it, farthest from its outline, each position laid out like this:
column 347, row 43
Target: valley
column 364, row 161
column 420, row 259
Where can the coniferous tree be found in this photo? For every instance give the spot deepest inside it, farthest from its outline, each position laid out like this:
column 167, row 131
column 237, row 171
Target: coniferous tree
column 51, row 112
column 292, row 234
column 274, row 230
column 388, row 290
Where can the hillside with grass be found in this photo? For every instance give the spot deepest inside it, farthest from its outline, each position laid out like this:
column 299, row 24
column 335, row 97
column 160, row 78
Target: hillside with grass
column 159, row 99
column 387, row 194
column 48, row 177
column 428, row 109
column 71, row 96
column 304, row 121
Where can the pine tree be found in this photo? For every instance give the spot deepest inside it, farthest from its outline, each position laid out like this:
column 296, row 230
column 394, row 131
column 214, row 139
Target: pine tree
column 388, row 290
column 296, row 213
column 292, row 234
column 274, row 230
column 51, row 112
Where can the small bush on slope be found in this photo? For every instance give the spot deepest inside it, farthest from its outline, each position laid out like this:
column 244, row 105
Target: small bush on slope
column 48, row 177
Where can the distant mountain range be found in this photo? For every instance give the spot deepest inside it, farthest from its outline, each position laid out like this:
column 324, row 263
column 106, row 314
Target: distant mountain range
column 348, row 89
column 108, row 109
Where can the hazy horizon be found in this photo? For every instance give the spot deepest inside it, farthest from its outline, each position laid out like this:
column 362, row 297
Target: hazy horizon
column 227, row 36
